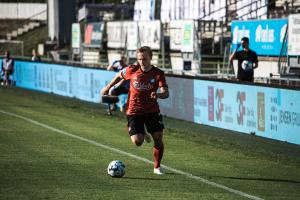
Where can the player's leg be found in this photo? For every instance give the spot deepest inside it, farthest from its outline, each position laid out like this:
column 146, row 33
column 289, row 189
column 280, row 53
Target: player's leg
column 155, row 126
column 6, row 76
column 136, row 129
column 158, row 150
column 137, row 139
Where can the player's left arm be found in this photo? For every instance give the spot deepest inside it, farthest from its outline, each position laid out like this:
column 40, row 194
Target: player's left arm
column 162, row 94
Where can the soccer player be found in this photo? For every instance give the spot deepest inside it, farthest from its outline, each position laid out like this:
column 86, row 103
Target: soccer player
column 147, row 84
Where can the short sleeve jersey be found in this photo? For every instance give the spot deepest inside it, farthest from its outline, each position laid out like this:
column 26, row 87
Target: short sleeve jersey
column 142, row 84
column 245, row 55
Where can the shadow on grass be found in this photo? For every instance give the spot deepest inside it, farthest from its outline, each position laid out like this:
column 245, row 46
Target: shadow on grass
column 258, row 179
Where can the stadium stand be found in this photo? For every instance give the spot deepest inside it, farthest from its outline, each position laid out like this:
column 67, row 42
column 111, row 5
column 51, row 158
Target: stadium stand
column 213, row 32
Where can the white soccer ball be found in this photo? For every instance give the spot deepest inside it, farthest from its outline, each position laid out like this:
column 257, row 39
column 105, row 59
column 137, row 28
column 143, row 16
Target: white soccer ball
column 116, row 168
column 247, row 65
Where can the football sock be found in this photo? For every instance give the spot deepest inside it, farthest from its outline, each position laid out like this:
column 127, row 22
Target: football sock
column 158, row 151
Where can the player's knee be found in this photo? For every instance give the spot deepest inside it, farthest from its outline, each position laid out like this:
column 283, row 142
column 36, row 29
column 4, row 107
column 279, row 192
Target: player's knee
column 138, row 143
column 137, row 140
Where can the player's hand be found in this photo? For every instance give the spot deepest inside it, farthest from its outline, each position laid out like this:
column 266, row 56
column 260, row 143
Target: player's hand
column 153, row 95
column 104, row 90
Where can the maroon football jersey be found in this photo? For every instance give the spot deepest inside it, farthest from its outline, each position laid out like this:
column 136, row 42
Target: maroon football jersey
column 142, row 84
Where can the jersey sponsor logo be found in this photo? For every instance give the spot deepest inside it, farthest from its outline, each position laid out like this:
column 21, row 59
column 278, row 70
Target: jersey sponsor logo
column 142, row 86
column 152, row 81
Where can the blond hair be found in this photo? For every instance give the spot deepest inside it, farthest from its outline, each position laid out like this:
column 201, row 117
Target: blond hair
column 145, row 49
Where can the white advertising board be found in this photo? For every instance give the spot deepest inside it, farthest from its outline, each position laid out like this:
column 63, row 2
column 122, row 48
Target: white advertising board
column 294, row 35
column 150, row 34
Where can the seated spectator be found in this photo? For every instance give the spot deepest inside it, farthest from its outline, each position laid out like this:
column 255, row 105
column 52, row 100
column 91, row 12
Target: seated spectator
column 7, row 68
column 35, row 56
column 123, row 86
column 118, row 65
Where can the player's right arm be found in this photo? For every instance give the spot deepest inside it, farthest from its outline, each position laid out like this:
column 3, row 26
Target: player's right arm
column 233, row 55
column 113, row 82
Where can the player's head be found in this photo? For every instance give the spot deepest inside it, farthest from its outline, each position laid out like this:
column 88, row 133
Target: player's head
column 245, row 42
column 144, row 56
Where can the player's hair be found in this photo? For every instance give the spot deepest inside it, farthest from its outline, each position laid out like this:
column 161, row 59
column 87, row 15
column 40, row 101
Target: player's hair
column 245, row 39
column 145, row 49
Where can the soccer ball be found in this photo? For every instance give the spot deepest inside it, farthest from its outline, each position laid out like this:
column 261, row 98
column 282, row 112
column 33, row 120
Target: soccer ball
column 247, row 65
column 116, row 168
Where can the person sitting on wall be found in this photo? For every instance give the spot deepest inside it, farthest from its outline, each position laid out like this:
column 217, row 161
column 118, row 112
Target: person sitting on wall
column 123, row 86
column 247, row 61
column 35, row 56
column 7, row 68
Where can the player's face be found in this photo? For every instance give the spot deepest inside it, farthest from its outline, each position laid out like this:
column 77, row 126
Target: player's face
column 143, row 59
column 245, row 44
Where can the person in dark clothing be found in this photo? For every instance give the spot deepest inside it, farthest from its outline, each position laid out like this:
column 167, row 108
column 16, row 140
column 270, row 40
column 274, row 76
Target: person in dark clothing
column 247, row 61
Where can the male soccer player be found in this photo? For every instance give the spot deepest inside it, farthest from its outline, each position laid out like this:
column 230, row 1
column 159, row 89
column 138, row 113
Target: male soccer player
column 143, row 109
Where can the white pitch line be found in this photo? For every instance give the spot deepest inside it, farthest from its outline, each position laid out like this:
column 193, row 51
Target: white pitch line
column 198, row 178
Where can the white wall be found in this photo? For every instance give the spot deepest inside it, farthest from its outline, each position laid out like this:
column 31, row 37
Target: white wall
column 23, row 10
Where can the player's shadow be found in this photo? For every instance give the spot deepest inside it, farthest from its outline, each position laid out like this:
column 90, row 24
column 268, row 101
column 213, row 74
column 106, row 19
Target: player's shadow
column 143, row 178
column 258, row 179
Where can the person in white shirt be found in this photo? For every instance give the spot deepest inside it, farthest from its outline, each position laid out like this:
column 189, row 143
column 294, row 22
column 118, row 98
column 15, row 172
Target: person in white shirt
column 35, row 56
column 7, row 68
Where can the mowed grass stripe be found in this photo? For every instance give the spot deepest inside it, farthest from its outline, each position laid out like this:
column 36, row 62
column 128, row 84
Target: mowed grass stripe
column 189, row 175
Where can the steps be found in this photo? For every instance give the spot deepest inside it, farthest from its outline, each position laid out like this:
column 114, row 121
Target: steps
column 25, row 29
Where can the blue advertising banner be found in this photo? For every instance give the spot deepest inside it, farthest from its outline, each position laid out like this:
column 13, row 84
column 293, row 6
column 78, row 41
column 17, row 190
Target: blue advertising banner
column 84, row 84
column 90, row 82
column 268, row 112
column 34, row 76
column 248, row 109
column 63, row 80
column 266, row 36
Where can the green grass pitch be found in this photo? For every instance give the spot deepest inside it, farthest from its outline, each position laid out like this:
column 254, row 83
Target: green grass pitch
column 54, row 147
